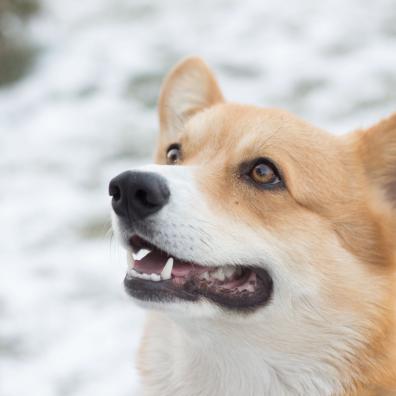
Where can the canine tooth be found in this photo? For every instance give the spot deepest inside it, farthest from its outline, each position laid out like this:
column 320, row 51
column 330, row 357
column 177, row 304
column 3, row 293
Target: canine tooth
column 142, row 253
column 167, row 271
column 155, row 277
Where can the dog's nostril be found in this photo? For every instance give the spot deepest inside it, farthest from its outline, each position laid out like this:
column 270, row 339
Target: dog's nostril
column 115, row 192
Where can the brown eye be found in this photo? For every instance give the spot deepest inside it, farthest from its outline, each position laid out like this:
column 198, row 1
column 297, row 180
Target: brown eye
column 173, row 155
column 264, row 173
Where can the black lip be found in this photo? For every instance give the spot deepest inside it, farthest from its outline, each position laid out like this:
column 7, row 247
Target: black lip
column 166, row 291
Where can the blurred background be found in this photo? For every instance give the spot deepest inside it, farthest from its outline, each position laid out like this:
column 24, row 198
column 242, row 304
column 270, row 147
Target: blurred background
column 78, row 88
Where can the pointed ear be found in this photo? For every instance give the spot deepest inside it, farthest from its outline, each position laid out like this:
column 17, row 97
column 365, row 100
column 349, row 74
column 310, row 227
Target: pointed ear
column 377, row 148
column 189, row 88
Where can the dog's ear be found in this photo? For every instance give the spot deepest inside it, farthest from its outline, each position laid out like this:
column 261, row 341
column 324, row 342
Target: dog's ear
column 377, row 150
column 189, row 87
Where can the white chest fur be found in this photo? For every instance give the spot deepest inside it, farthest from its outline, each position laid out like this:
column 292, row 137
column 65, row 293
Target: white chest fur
column 188, row 359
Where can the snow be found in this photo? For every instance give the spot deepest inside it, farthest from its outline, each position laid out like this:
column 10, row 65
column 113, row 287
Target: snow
column 87, row 111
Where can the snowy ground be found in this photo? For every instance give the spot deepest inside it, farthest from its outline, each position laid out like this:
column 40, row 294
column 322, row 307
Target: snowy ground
column 87, row 111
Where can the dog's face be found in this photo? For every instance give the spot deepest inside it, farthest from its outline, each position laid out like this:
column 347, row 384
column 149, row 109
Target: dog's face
column 254, row 211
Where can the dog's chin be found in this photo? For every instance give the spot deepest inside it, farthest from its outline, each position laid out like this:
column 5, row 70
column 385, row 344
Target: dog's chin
column 156, row 276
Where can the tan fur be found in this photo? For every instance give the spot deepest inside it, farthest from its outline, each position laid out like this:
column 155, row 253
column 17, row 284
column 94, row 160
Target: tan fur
column 341, row 187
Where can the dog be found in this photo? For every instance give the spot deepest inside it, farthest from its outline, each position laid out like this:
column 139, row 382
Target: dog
column 263, row 247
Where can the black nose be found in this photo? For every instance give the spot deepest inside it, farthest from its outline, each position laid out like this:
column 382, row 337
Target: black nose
column 137, row 195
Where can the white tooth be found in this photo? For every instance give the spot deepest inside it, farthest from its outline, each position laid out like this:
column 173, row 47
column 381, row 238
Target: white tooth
column 205, row 276
column 228, row 272
column 130, row 260
column 167, row 271
column 219, row 274
column 131, row 272
column 140, row 254
column 155, row 277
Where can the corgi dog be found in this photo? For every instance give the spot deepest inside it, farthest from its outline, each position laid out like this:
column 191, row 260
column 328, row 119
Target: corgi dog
column 263, row 248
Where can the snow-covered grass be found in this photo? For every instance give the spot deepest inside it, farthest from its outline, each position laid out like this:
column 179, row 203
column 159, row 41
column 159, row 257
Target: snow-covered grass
column 86, row 111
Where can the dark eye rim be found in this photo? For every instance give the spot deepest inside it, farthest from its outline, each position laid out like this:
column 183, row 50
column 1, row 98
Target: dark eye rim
column 171, row 147
column 247, row 167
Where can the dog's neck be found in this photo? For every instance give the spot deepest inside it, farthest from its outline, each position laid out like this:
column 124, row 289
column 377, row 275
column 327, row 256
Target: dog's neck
column 203, row 357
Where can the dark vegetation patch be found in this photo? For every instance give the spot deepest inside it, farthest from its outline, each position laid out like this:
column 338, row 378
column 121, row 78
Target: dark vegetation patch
column 17, row 53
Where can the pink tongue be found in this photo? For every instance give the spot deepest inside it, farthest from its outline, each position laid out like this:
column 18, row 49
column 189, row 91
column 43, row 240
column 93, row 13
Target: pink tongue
column 155, row 262
column 181, row 269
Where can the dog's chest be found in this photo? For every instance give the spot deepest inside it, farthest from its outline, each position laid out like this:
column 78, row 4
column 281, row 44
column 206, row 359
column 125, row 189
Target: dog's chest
column 174, row 366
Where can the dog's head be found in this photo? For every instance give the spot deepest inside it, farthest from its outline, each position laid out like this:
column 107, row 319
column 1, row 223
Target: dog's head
column 253, row 210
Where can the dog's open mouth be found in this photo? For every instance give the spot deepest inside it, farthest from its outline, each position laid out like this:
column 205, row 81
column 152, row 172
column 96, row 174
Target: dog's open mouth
column 155, row 275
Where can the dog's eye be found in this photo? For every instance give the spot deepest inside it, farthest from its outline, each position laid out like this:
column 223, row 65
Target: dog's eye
column 173, row 154
column 265, row 173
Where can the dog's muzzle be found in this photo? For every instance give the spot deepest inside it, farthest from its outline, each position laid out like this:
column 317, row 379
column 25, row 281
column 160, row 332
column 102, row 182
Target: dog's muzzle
column 156, row 244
